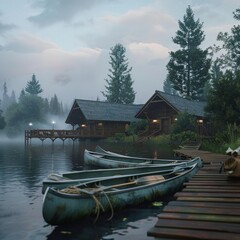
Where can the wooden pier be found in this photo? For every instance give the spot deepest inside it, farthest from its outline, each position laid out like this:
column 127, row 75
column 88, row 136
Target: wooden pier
column 208, row 206
column 44, row 134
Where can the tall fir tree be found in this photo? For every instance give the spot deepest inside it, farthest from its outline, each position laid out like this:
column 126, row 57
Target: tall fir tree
column 230, row 59
column 167, row 86
column 6, row 99
column 33, row 87
column 55, row 106
column 119, row 83
column 188, row 68
column 2, row 121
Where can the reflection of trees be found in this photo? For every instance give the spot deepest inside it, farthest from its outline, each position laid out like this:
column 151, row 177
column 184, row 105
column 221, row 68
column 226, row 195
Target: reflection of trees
column 124, row 222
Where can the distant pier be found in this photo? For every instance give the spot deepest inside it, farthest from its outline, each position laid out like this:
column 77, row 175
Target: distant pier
column 44, row 134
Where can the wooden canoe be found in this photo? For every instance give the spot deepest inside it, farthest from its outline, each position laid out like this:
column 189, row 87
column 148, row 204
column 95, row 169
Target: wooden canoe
column 71, row 204
column 112, row 161
column 66, row 179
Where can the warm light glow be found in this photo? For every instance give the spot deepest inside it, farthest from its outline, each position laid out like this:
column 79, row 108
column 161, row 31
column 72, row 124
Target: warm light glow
column 83, row 125
column 155, row 120
column 175, row 119
column 200, row 121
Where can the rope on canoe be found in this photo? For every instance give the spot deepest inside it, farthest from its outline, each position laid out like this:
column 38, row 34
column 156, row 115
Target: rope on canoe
column 110, row 204
column 98, row 207
column 93, row 194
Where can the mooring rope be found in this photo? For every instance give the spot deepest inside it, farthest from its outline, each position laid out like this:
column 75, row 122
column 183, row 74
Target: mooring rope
column 98, row 207
column 110, row 204
column 94, row 195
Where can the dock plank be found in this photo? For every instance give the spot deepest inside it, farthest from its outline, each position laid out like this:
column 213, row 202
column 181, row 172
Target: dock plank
column 205, row 204
column 208, row 199
column 191, row 234
column 207, row 207
column 199, row 225
column 202, row 210
column 200, row 217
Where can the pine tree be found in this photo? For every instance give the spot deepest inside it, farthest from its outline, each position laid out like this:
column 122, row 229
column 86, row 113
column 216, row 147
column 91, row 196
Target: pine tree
column 188, row 67
column 215, row 71
column 6, row 100
column 2, row 121
column 230, row 59
column 33, row 87
column 167, row 86
column 55, row 107
column 119, row 84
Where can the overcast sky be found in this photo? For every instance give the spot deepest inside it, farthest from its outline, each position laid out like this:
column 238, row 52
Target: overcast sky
column 66, row 43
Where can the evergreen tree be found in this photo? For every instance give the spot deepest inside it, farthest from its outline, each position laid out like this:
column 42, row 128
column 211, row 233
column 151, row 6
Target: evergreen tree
column 224, row 100
column 55, row 107
column 46, row 106
column 6, row 100
column 33, row 87
column 230, row 59
column 2, row 121
column 13, row 97
column 119, row 84
column 167, row 86
column 215, row 71
column 22, row 94
column 128, row 94
column 5, row 97
column 188, row 67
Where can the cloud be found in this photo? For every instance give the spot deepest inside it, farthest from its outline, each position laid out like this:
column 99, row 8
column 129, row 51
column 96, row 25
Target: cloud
column 26, row 43
column 60, row 10
column 144, row 24
column 62, row 79
column 148, row 52
column 68, row 74
column 5, row 27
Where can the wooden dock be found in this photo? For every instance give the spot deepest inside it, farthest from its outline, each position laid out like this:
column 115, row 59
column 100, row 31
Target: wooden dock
column 208, row 206
column 54, row 134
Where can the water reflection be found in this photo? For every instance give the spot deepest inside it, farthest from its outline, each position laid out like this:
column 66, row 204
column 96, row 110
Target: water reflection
column 126, row 223
column 21, row 173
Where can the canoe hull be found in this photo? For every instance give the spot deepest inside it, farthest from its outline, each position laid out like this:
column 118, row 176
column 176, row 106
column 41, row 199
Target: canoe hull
column 112, row 161
column 78, row 177
column 60, row 207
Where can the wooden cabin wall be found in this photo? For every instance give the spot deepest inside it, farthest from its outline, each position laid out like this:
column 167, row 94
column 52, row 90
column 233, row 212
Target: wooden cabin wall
column 103, row 129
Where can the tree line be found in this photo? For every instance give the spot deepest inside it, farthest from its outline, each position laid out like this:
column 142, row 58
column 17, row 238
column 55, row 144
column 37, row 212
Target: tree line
column 210, row 75
column 15, row 115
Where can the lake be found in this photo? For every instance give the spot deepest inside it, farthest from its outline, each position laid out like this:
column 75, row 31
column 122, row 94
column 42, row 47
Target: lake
column 22, row 169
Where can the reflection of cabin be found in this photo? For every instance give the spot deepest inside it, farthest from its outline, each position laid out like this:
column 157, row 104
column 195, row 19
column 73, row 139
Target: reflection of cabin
column 161, row 111
column 101, row 119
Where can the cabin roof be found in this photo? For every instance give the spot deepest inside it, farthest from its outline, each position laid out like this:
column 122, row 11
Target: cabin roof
column 179, row 104
column 105, row 111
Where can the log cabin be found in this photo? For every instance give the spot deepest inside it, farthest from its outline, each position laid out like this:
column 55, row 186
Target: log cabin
column 101, row 119
column 161, row 112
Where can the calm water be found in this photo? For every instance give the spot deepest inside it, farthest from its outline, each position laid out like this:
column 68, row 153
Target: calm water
column 22, row 170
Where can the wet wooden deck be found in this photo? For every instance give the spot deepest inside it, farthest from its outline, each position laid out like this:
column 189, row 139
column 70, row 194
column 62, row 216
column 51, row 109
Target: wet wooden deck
column 208, row 206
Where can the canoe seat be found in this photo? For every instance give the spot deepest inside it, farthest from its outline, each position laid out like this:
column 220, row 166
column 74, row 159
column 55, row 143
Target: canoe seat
column 150, row 179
